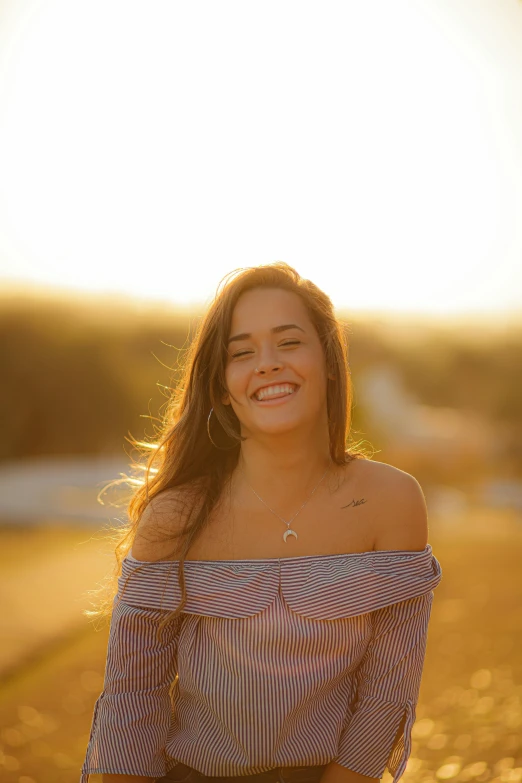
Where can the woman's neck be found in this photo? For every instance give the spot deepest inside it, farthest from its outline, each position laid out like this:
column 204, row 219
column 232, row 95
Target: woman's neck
column 283, row 478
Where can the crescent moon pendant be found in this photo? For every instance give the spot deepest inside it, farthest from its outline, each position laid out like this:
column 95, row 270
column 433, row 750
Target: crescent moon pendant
column 289, row 533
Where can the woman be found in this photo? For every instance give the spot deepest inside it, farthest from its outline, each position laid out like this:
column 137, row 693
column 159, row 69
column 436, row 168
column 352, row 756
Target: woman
column 294, row 649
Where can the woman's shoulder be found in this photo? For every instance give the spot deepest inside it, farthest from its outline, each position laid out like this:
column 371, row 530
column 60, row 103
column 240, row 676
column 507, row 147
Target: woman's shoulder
column 401, row 521
column 162, row 522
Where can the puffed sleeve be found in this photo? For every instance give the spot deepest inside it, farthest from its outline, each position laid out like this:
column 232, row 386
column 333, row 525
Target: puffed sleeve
column 132, row 716
column 378, row 733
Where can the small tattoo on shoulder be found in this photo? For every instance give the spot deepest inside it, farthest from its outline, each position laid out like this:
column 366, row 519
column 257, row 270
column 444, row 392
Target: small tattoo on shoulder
column 355, row 503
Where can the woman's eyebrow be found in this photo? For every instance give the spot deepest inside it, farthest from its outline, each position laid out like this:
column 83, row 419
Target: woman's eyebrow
column 274, row 329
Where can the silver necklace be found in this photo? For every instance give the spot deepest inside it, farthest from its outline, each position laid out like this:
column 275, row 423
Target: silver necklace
column 288, row 532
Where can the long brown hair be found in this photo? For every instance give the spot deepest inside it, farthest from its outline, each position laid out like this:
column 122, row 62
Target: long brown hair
column 182, row 454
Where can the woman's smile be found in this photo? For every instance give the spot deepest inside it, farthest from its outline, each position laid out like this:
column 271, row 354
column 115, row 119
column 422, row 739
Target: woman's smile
column 269, row 402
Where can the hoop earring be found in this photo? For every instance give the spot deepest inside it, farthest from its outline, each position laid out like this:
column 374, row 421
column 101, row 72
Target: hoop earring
column 221, row 448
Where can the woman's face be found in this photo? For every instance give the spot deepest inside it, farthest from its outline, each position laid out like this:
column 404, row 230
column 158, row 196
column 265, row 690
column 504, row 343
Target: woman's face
column 293, row 355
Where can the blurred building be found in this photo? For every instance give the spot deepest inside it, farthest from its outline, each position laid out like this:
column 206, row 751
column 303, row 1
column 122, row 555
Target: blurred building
column 503, row 493
column 60, row 489
column 406, row 424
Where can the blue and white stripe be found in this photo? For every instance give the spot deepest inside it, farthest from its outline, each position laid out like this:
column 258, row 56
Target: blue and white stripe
column 293, row 661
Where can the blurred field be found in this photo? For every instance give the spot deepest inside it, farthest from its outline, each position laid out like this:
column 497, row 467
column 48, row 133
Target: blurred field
column 46, row 573
column 469, row 716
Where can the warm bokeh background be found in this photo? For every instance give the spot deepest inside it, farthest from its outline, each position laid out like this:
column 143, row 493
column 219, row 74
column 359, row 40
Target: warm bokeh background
column 441, row 404
column 146, row 151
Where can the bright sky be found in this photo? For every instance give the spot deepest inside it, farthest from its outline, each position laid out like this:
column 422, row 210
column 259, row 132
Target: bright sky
column 151, row 148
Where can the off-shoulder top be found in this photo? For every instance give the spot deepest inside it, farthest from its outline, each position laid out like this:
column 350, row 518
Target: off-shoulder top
column 293, row 661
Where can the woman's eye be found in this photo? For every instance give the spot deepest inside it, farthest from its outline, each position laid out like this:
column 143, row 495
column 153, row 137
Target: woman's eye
column 288, row 342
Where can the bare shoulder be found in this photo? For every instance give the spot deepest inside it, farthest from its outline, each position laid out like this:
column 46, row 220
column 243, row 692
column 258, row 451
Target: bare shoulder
column 401, row 521
column 161, row 524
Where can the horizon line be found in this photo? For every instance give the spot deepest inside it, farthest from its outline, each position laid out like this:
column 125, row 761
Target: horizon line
column 21, row 290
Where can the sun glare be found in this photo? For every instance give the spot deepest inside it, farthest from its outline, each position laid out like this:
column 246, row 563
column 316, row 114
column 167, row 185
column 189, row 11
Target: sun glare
column 370, row 147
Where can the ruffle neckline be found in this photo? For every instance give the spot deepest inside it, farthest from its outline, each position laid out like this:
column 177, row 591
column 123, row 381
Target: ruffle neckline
column 376, row 552
column 321, row 587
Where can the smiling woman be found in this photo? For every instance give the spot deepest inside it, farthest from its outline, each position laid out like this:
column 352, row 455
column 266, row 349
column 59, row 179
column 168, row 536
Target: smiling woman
column 271, row 356
column 272, row 656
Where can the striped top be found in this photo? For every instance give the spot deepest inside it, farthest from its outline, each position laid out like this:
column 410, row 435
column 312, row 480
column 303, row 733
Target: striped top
column 294, row 661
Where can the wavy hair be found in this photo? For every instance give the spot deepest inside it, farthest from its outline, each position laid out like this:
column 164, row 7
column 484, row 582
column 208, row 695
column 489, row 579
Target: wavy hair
column 183, row 456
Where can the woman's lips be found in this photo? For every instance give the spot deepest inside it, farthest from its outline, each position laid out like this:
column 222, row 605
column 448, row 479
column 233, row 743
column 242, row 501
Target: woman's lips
column 276, row 400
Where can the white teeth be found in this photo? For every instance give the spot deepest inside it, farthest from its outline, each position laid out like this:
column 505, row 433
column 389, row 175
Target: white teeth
column 273, row 390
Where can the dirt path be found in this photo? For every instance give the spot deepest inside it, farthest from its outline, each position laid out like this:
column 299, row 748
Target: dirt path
column 46, row 575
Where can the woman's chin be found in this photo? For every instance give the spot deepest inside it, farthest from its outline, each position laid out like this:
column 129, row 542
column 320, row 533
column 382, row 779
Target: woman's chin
column 280, row 427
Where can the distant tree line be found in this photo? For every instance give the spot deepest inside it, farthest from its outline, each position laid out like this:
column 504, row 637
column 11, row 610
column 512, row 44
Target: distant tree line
column 77, row 378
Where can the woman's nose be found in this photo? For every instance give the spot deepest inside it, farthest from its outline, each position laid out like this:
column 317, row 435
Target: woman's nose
column 267, row 365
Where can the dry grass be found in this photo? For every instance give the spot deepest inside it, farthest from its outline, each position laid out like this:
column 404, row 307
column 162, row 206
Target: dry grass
column 469, row 716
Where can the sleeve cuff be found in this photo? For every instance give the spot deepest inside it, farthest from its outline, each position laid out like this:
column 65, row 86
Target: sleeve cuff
column 377, row 737
column 137, row 741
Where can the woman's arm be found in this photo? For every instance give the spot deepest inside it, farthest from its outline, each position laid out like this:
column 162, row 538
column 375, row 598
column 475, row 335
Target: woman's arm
column 133, row 714
column 378, row 734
